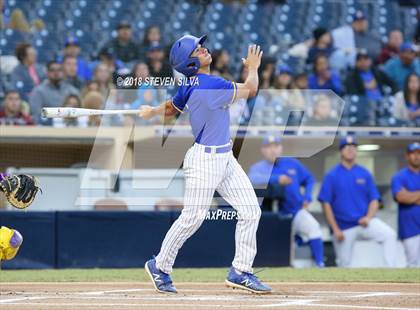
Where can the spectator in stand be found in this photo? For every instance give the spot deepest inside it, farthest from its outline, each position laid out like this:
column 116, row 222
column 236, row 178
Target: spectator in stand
column 301, row 81
column 266, row 72
column 220, row 64
column 156, row 61
column 89, row 87
column 152, row 36
column 322, row 44
column 71, row 101
column 94, row 100
column 72, row 49
column 12, row 111
column 322, row 113
column 367, row 80
column 102, row 76
column 392, row 48
column 15, row 19
column 323, row 77
column 351, row 38
column 28, row 73
column 284, row 90
column 123, row 46
column 115, row 65
column 70, row 72
column 407, row 102
column 398, row 68
column 51, row 92
column 146, row 93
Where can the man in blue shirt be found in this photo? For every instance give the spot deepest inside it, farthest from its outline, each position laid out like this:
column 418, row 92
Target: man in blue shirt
column 367, row 80
column 287, row 176
column 72, row 49
column 350, row 201
column 406, row 190
column 399, row 68
column 209, row 164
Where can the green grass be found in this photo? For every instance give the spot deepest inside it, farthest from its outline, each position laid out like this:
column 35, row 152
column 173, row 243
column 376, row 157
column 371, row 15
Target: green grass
column 215, row 275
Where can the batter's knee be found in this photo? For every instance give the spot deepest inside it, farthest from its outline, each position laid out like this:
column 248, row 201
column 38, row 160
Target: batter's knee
column 188, row 220
column 251, row 213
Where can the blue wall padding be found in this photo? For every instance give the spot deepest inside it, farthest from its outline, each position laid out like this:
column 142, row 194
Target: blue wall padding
column 126, row 239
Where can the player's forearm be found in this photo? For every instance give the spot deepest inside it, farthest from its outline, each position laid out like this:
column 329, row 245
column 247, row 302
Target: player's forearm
column 373, row 208
column 165, row 108
column 329, row 215
column 252, row 81
column 406, row 197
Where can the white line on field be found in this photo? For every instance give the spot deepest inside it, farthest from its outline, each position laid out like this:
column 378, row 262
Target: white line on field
column 290, row 303
column 119, row 305
column 118, row 291
column 358, row 307
column 326, row 292
column 376, row 294
column 13, row 300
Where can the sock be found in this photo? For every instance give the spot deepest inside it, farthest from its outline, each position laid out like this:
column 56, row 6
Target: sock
column 317, row 249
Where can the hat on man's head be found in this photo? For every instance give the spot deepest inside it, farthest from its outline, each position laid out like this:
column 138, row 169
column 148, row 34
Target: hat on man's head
column 362, row 53
column 406, row 46
column 271, row 139
column 412, row 147
column 283, row 68
column 71, row 41
column 358, row 15
column 348, row 140
column 123, row 24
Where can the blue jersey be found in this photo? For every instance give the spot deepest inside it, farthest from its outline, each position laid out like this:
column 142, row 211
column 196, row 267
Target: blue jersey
column 349, row 192
column 208, row 105
column 408, row 214
column 263, row 172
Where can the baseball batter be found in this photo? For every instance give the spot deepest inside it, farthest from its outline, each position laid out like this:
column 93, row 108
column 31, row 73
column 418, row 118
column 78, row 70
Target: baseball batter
column 406, row 190
column 209, row 165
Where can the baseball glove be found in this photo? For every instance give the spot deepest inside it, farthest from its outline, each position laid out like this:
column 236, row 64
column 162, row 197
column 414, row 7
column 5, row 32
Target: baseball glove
column 20, row 190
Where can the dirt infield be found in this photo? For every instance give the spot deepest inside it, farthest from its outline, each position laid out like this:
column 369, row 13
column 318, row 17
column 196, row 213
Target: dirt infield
column 130, row 295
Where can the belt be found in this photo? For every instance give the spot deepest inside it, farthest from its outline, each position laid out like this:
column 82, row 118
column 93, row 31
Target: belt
column 216, row 149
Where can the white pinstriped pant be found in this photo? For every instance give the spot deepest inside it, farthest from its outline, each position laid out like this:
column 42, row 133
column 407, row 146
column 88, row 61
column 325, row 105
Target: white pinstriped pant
column 204, row 174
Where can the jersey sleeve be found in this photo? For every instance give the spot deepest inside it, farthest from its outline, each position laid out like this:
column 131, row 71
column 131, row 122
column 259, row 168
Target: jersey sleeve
column 396, row 185
column 222, row 93
column 326, row 191
column 178, row 101
column 373, row 190
column 307, row 180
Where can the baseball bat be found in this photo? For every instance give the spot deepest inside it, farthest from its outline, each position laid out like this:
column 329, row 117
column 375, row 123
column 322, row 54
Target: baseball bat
column 78, row 112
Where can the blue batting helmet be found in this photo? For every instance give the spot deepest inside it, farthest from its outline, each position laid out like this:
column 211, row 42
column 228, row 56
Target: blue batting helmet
column 180, row 55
